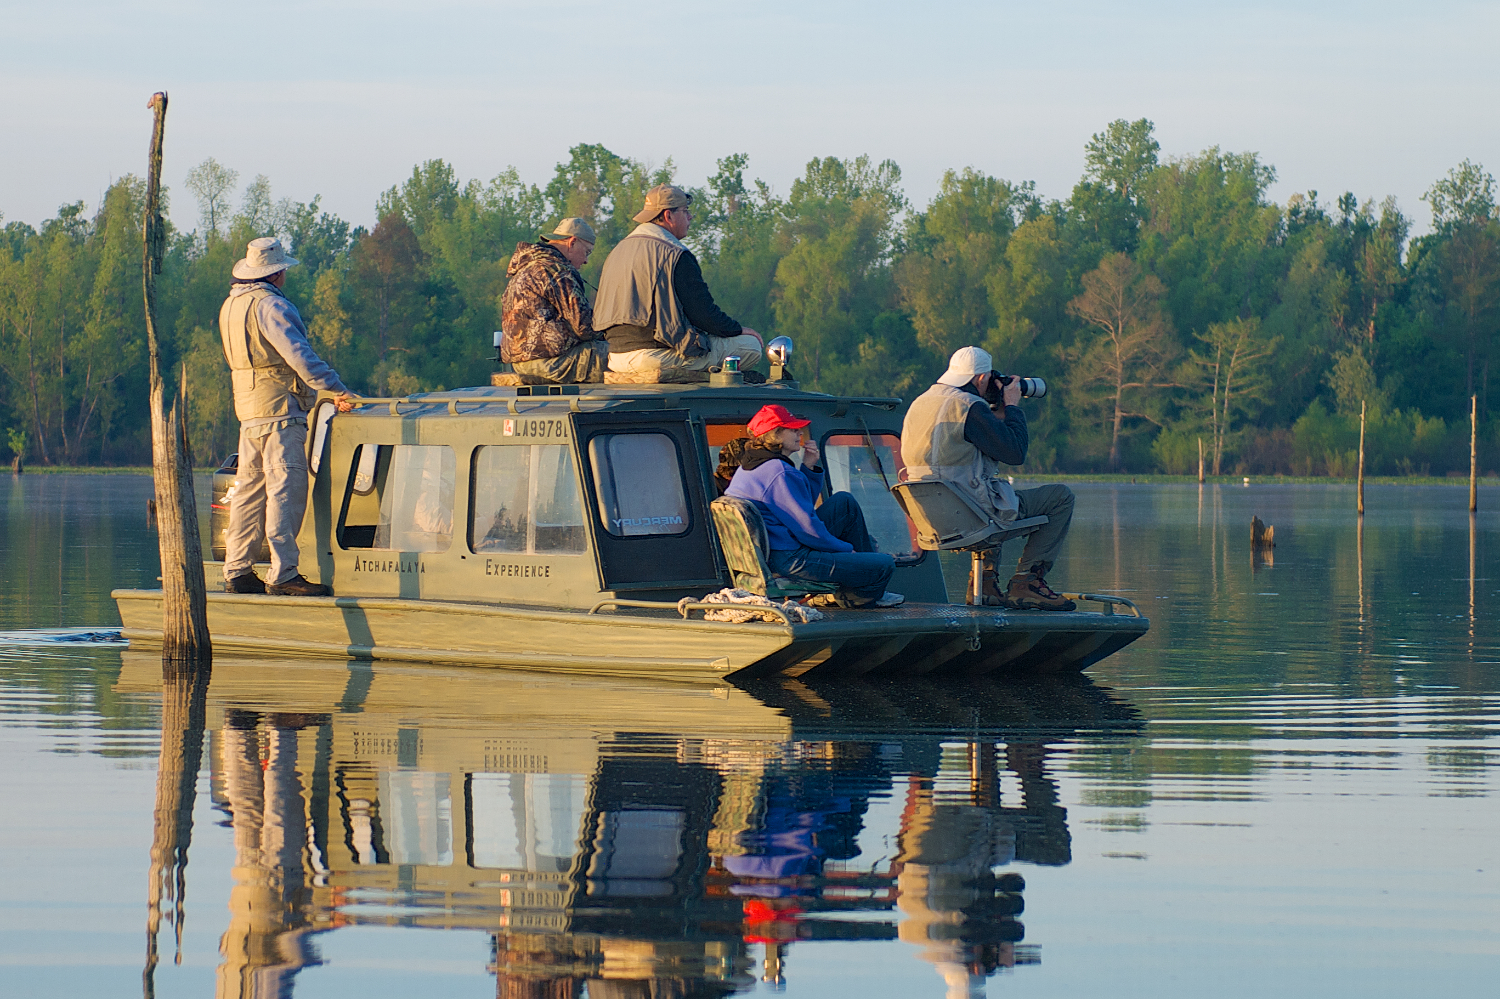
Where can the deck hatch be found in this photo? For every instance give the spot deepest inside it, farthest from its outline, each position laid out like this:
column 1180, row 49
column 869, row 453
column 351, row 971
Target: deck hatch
column 647, row 510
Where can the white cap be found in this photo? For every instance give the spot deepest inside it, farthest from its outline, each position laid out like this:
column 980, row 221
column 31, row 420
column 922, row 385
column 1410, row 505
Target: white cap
column 965, row 363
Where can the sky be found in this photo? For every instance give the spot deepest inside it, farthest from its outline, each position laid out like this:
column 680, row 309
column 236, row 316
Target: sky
column 342, row 99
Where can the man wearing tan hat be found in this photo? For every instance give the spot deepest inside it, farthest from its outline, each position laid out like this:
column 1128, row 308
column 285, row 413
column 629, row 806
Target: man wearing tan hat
column 653, row 304
column 276, row 376
column 546, row 322
column 960, row 431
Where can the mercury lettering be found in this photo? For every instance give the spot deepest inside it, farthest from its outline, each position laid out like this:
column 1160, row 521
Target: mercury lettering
column 493, row 568
column 644, row 521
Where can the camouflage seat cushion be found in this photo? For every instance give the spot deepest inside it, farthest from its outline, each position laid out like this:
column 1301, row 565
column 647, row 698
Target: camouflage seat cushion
column 742, row 534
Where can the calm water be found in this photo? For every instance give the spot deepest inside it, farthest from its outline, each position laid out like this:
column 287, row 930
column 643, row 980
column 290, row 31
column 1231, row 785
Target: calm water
column 1288, row 787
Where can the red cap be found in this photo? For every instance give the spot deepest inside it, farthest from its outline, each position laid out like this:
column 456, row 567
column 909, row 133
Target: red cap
column 772, row 417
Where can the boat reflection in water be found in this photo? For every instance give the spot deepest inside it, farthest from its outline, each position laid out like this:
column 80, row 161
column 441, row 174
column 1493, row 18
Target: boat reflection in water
column 627, row 839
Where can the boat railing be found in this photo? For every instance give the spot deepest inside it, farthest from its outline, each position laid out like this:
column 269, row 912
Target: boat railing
column 685, row 607
column 1107, row 600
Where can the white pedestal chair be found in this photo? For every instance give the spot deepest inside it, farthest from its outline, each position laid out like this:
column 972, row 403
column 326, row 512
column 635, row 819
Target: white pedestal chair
column 948, row 521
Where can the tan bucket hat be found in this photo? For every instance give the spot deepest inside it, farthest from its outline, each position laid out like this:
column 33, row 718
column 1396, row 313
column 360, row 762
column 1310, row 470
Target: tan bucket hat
column 659, row 199
column 263, row 257
column 569, row 228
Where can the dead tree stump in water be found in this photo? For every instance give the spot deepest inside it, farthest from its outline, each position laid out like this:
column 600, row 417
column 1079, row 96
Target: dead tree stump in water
column 1262, row 535
column 184, row 630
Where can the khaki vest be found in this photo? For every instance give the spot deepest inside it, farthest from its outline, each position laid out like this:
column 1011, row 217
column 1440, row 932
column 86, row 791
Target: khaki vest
column 264, row 384
column 933, row 447
column 635, row 289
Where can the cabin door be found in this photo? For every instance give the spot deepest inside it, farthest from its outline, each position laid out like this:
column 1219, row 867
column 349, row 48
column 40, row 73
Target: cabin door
column 643, row 486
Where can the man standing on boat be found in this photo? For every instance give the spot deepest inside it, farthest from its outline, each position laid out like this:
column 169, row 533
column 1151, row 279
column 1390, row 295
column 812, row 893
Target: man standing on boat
column 546, row 322
column 952, row 433
column 653, row 304
column 276, row 376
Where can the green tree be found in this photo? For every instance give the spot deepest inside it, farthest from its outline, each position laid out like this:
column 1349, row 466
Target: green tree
column 1120, row 373
column 1233, row 376
column 211, row 183
column 839, row 220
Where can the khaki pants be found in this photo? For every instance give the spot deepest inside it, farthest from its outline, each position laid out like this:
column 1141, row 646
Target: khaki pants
column 747, row 346
column 1055, row 502
column 270, row 497
column 586, row 362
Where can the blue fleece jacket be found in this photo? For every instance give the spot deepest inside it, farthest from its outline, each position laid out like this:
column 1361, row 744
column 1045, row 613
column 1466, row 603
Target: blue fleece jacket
column 784, row 496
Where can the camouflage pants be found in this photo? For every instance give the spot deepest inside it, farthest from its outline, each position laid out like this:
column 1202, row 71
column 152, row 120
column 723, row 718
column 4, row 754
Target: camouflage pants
column 586, row 362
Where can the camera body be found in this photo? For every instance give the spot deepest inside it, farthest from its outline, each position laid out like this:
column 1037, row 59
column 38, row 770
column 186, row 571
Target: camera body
column 1031, row 388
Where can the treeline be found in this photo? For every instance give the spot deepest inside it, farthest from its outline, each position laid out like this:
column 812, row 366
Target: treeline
column 1165, row 301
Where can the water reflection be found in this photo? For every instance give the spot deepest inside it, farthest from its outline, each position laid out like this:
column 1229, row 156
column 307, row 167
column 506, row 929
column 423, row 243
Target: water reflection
column 668, row 841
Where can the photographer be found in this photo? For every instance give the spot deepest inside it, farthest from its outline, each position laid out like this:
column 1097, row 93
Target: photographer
column 959, row 431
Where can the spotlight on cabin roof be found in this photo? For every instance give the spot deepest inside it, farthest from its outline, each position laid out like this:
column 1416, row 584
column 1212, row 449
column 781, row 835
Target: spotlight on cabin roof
column 779, row 350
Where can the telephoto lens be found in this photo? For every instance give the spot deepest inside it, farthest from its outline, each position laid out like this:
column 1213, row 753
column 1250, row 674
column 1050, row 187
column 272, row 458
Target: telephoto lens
column 1031, row 388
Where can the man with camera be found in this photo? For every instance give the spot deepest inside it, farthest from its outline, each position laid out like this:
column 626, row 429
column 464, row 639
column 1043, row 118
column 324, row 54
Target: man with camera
column 960, row 431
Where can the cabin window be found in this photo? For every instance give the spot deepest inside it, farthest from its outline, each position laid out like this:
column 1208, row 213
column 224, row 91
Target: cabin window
column 400, row 498
column 526, row 500
column 867, row 467
column 639, row 481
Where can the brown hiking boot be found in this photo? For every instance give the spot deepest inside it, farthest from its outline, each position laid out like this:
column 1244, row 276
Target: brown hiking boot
column 248, row 583
column 991, row 592
column 298, row 586
column 1029, row 591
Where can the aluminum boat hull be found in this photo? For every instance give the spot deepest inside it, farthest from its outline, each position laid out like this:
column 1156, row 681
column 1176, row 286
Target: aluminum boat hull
column 913, row 640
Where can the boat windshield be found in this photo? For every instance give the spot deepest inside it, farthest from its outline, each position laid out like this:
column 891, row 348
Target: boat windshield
column 867, row 466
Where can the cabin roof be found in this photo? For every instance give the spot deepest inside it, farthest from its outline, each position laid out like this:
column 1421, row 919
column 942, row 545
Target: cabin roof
column 502, row 401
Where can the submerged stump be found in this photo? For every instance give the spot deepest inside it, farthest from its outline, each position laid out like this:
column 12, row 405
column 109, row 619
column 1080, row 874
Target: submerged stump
column 1262, row 535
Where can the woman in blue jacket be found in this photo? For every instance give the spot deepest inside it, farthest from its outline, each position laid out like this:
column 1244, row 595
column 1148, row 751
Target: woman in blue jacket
column 821, row 544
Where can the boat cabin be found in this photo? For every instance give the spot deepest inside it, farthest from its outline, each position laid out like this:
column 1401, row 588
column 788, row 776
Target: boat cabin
column 560, row 496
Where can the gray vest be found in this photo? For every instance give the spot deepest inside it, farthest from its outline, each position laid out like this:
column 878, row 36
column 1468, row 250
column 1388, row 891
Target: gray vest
column 933, row 447
column 635, row 289
column 264, row 384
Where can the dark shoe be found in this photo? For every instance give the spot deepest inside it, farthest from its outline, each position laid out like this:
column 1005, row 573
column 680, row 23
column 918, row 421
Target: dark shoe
column 298, row 586
column 754, row 377
column 248, row 583
column 1029, row 591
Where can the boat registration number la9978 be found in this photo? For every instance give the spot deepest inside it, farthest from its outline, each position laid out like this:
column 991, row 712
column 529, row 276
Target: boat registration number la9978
column 545, row 429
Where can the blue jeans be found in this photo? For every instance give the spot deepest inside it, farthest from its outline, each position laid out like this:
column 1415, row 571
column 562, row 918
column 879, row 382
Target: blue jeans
column 861, row 575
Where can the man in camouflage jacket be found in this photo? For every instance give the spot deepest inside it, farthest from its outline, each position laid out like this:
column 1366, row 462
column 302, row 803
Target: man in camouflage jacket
column 546, row 321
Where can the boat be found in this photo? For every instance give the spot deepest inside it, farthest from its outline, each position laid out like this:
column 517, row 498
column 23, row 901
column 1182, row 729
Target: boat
column 569, row 528
column 616, row 831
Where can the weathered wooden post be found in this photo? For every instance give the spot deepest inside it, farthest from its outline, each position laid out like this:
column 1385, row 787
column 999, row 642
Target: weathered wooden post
column 183, row 717
column 184, row 630
column 1200, row 461
column 1473, row 453
column 1361, row 502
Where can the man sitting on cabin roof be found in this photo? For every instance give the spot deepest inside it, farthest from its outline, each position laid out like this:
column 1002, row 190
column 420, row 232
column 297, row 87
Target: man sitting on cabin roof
column 954, row 432
column 826, row 544
column 546, row 322
column 276, row 376
column 654, row 305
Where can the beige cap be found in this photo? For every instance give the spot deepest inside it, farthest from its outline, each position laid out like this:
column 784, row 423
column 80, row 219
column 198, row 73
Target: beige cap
column 659, row 199
column 568, row 228
column 263, row 257
column 965, row 363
